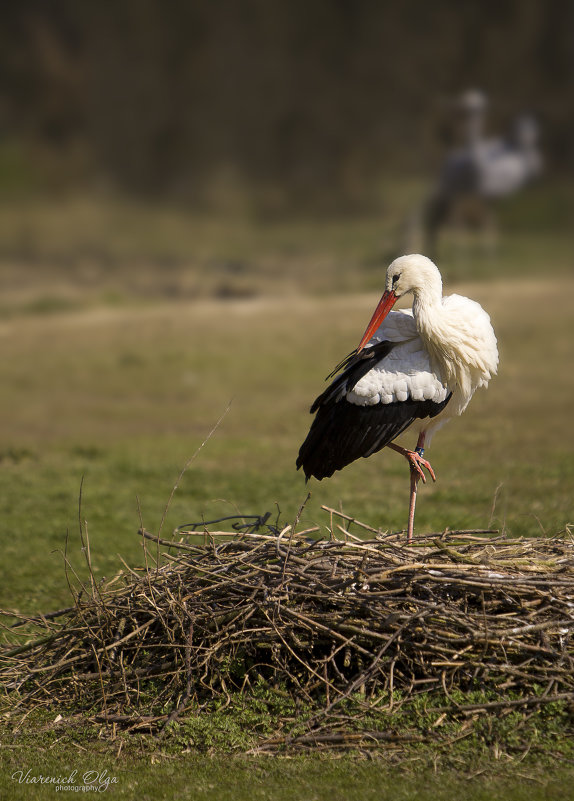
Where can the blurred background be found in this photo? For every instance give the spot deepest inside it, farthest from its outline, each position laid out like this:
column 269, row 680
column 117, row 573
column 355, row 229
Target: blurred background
column 198, row 200
column 128, row 131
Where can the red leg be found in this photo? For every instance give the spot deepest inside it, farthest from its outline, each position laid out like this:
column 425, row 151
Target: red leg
column 414, row 484
column 416, row 463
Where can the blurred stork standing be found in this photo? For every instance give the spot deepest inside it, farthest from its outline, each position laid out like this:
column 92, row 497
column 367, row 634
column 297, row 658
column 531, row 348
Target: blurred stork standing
column 480, row 172
column 418, row 367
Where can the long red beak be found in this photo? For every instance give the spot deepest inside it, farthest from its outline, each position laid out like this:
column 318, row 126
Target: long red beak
column 386, row 303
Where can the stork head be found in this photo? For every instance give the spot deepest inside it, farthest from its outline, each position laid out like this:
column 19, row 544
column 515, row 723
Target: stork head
column 414, row 273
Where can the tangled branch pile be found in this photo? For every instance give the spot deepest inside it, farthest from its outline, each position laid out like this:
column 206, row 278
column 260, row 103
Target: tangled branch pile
column 323, row 619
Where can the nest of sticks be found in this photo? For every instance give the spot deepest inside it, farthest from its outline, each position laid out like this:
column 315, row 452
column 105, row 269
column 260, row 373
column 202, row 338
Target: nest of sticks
column 223, row 611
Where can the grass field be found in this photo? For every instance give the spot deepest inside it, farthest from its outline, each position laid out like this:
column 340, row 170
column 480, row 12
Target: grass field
column 123, row 397
column 116, row 391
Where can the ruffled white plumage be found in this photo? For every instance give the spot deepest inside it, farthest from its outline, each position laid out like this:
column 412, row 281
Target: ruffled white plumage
column 454, row 352
column 406, row 372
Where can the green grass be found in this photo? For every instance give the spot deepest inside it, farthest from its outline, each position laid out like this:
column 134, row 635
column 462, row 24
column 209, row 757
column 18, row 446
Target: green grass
column 122, row 398
column 493, row 762
column 116, row 388
column 316, row 778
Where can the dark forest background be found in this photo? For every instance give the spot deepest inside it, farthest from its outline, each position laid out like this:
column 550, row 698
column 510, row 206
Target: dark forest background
column 292, row 104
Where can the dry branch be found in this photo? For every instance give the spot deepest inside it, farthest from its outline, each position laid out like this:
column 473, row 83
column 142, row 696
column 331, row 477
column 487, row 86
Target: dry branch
column 323, row 620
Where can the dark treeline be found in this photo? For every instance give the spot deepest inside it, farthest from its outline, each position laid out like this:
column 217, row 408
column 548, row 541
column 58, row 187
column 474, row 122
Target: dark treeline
column 294, row 101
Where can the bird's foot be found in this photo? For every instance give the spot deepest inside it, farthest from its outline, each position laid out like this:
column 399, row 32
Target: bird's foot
column 416, row 462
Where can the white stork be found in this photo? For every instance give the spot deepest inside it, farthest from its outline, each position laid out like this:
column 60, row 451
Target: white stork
column 411, row 367
column 483, row 170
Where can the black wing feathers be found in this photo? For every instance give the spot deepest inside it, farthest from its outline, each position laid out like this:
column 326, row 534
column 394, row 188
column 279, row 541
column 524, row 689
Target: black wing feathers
column 342, row 432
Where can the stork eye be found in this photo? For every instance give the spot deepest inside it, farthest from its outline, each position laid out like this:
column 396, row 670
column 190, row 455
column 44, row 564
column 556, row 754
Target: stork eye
column 395, row 279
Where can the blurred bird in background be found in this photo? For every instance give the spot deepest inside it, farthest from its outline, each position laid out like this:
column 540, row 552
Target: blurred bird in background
column 480, row 172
